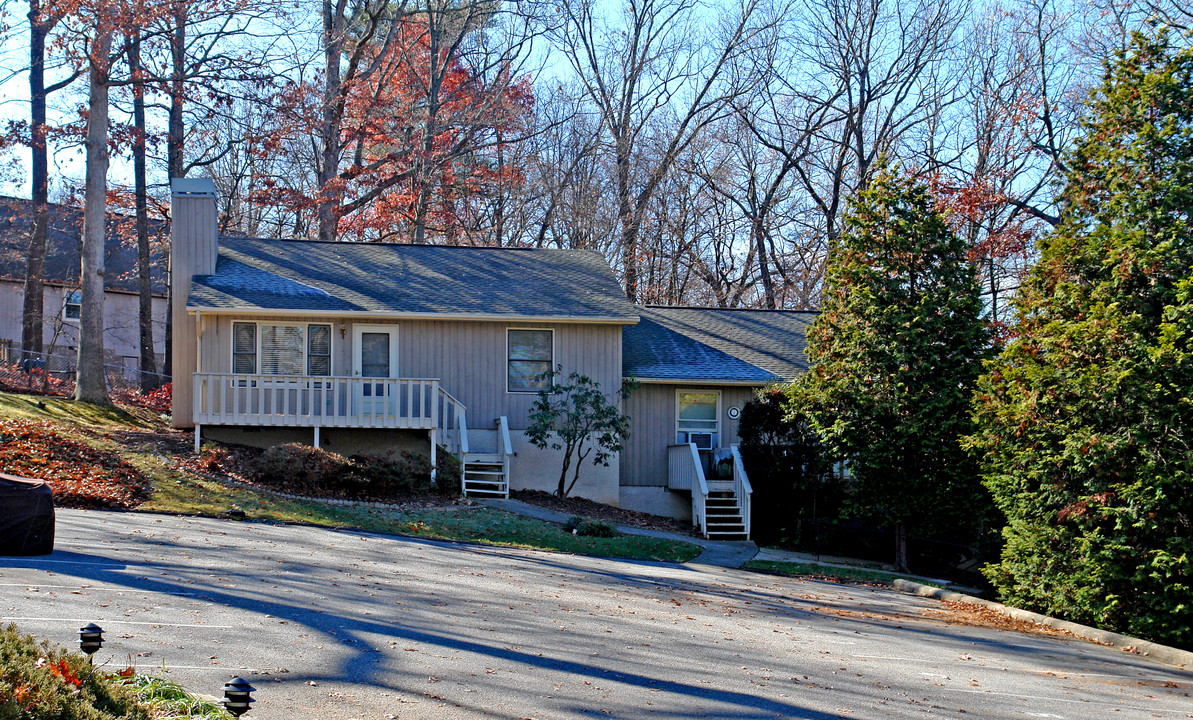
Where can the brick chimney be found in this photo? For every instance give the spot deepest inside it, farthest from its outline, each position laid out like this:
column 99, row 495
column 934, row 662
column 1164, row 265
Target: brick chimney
column 194, row 244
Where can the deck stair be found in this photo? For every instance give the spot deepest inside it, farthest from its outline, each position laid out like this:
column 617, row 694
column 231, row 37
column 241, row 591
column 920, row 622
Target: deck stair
column 724, row 516
column 485, row 475
column 721, row 505
column 486, row 472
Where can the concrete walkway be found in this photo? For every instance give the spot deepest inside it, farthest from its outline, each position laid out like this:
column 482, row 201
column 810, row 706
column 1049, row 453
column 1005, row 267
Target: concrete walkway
column 717, row 553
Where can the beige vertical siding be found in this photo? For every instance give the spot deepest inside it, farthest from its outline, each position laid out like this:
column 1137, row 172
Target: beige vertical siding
column 652, row 412
column 193, row 252
column 469, row 358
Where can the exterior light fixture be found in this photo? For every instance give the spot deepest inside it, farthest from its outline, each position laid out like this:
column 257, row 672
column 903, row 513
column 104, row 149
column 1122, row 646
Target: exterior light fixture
column 91, row 638
column 237, row 697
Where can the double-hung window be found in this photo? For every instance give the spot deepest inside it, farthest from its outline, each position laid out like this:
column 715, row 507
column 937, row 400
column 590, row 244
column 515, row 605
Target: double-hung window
column 530, row 356
column 697, row 417
column 278, row 349
column 72, row 305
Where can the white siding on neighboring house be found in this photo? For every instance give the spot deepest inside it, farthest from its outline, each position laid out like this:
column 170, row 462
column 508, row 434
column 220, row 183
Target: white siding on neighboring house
column 61, row 336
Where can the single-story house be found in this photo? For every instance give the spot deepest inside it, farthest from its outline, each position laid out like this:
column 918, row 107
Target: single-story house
column 356, row 347
column 61, row 294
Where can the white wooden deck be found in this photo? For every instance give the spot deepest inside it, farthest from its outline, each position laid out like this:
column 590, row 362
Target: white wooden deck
column 327, row 402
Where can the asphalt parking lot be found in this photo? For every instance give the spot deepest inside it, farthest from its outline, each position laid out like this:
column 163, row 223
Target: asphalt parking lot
column 340, row 625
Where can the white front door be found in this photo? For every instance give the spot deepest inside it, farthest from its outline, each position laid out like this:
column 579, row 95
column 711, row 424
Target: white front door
column 375, row 355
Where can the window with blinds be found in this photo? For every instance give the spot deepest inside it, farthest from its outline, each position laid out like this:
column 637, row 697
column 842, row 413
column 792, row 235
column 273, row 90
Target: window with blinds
column 244, row 348
column 281, row 349
column 318, row 349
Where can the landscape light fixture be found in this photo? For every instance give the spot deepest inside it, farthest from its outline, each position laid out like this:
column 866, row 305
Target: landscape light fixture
column 237, row 697
column 91, row 638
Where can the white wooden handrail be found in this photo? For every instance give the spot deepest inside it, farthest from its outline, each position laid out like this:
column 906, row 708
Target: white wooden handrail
column 503, row 427
column 462, row 429
column 742, row 488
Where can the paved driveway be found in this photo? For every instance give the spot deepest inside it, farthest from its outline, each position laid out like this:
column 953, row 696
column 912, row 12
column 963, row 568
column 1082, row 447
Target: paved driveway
column 342, row 625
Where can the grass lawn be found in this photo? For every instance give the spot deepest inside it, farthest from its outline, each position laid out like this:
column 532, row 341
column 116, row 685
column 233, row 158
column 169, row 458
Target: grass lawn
column 143, row 440
column 839, row 574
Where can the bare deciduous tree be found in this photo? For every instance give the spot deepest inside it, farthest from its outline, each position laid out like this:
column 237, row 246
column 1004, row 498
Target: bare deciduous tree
column 657, row 77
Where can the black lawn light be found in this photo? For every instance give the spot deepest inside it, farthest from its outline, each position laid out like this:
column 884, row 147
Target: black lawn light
column 91, row 639
column 237, row 697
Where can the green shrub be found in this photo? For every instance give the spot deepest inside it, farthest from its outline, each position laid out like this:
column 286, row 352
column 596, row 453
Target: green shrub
column 447, row 476
column 305, row 470
column 590, row 528
column 312, row 471
column 393, row 475
column 39, row 681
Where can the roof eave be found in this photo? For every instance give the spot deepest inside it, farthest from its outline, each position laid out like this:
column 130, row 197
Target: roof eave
column 703, row 381
column 380, row 315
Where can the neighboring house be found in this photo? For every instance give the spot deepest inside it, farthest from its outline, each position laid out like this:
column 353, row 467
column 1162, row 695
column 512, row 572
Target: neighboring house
column 366, row 347
column 61, row 293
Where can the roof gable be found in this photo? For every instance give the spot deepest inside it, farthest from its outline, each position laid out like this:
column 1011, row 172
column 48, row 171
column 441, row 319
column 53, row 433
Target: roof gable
column 255, row 274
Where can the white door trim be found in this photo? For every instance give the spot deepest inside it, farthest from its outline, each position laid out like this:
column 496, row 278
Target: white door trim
column 358, row 330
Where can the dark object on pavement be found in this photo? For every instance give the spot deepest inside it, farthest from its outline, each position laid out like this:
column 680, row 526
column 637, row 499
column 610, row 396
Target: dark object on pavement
column 26, row 516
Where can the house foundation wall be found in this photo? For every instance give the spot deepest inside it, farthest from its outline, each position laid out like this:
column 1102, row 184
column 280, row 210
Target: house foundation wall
column 535, row 469
column 342, row 441
column 657, row 501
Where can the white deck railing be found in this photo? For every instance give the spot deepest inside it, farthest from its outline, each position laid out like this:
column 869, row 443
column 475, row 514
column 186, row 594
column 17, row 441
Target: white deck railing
column 742, row 488
column 313, row 401
column 686, row 472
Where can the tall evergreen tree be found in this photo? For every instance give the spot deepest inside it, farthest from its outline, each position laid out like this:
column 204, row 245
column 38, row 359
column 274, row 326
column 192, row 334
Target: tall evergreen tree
column 1086, row 420
column 895, row 356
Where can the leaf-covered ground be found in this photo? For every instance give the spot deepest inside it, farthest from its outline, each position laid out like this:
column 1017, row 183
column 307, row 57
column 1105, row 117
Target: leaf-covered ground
column 81, row 476
column 125, row 457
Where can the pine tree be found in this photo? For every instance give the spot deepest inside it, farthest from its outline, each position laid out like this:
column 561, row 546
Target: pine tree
column 895, row 356
column 1086, row 420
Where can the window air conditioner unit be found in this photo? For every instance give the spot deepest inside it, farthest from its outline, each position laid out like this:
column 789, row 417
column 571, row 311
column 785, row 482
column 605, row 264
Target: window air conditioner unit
column 703, row 441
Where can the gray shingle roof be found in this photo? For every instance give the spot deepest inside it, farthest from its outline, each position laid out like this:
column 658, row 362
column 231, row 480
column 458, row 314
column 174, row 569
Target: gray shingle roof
column 710, row 344
column 64, row 245
column 255, row 274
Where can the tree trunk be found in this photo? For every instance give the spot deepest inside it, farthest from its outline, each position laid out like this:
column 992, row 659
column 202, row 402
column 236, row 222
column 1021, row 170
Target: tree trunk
column 901, row 548
column 561, row 491
column 145, row 285
column 768, row 285
column 176, row 136
column 90, row 385
column 176, row 131
column 629, row 225
column 33, row 308
column 329, row 163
